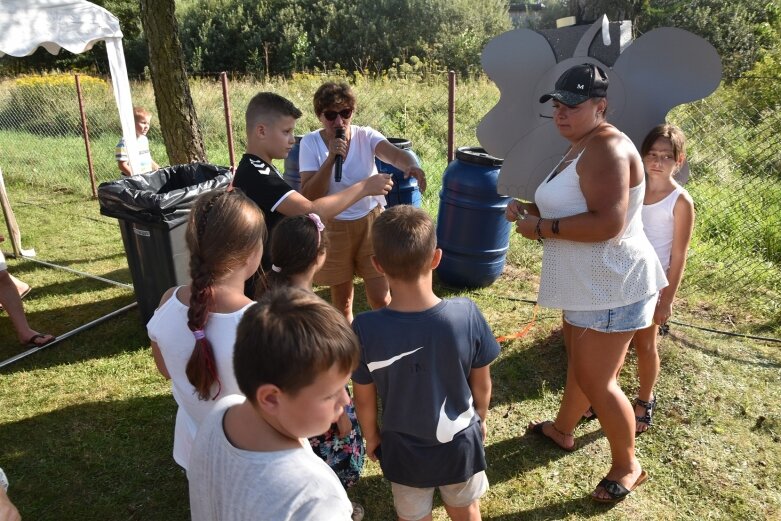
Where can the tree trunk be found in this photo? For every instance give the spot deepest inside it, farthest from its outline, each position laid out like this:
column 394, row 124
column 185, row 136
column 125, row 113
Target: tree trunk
column 178, row 120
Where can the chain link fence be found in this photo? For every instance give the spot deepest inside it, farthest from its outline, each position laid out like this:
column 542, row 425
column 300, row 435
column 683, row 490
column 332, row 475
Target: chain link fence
column 733, row 155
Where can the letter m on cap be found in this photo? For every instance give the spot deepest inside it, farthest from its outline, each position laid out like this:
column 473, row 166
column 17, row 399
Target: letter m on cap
column 581, row 87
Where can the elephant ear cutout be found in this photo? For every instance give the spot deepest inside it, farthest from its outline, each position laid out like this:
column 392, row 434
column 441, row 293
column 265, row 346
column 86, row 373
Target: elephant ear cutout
column 660, row 70
column 514, row 61
column 658, row 77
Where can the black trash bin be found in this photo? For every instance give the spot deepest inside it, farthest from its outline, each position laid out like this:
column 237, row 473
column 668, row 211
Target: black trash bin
column 152, row 210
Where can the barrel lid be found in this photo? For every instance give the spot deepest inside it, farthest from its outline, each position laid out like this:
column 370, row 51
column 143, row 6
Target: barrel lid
column 400, row 142
column 477, row 156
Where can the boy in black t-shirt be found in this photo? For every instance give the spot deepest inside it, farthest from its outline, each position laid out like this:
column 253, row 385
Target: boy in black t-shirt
column 270, row 120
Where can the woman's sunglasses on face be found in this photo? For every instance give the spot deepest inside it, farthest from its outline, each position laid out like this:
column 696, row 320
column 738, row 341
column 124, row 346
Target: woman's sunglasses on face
column 330, row 115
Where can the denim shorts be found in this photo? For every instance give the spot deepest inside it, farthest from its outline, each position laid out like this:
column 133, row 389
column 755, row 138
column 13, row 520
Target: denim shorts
column 631, row 317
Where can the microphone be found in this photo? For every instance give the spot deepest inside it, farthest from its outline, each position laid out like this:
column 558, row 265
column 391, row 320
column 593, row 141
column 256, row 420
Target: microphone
column 339, row 159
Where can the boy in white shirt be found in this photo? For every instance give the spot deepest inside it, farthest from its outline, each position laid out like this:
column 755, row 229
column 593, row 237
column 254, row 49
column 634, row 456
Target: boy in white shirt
column 251, row 460
column 143, row 121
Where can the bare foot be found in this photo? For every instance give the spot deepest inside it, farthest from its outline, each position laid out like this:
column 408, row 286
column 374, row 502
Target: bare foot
column 565, row 441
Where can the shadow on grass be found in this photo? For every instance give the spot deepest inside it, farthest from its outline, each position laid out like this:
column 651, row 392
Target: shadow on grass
column 724, row 354
column 96, row 461
column 581, row 506
column 525, row 372
column 77, row 284
column 119, row 334
column 515, row 456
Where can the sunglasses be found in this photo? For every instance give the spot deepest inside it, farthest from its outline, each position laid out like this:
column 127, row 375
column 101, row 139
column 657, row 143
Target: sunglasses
column 330, row 115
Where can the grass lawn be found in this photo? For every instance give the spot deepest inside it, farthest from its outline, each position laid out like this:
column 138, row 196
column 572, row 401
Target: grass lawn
column 87, row 426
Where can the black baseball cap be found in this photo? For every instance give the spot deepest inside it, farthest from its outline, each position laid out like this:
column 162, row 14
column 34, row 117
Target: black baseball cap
column 579, row 83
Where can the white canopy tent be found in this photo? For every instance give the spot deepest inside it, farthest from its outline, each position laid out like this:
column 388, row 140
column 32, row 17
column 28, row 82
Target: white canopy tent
column 73, row 25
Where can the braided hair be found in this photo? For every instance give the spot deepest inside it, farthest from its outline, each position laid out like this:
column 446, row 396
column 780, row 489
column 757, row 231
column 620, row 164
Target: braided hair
column 225, row 228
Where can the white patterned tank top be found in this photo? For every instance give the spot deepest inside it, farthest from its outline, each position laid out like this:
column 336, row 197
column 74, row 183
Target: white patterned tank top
column 587, row 276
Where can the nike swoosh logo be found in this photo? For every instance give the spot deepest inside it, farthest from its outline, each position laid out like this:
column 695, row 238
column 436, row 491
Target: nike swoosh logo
column 447, row 428
column 373, row 366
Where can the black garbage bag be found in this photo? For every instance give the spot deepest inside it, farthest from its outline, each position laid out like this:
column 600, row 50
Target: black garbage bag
column 164, row 196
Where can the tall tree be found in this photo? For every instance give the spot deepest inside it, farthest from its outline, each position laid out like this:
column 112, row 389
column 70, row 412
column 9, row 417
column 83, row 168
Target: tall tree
column 178, row 120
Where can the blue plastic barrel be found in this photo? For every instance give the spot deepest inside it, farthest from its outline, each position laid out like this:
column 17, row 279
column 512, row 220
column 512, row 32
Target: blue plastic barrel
column 471, row 228
column 404, row 191
column 292, row 175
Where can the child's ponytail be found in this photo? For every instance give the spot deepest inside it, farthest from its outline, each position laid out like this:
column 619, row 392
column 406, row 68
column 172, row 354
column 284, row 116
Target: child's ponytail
column 201, row 368
column 295, row 244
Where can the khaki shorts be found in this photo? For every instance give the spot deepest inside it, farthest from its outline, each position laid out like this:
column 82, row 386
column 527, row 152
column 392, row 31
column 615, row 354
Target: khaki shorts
column 350, row 250
column 416, row 503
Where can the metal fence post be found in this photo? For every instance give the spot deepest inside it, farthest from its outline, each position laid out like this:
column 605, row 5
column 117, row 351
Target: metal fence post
column 228, row 121
column 85, row 133
column 451, row 113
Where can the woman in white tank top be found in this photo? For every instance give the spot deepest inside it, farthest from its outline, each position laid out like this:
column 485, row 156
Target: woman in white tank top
column 598, row 267
column 668, row 220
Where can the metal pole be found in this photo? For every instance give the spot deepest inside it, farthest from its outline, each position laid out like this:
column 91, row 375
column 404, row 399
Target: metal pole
column 228, row 122
column 66, row 335
column 85, row 132
column 451, row 113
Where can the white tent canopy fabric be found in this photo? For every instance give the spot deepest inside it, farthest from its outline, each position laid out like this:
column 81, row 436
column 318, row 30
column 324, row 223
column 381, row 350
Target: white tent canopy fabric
column 73, row 25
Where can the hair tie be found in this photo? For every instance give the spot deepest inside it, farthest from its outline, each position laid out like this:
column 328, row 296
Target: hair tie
column 276, row 269
column 318, row 224
column 199, row 334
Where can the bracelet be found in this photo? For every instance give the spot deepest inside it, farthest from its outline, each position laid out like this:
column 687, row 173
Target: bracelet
column 538, row 231
column 555, row 227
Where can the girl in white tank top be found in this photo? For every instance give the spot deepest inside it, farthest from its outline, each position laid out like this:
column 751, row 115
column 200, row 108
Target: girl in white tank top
column 194, row 328
column 668, row 220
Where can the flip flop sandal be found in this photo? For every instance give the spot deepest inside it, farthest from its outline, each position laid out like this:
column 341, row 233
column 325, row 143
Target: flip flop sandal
column 648, row 417
column 616, row 490
column 33, row 340
column 538, row 429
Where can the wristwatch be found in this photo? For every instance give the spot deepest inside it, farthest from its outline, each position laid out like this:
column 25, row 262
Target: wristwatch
column 3, row 480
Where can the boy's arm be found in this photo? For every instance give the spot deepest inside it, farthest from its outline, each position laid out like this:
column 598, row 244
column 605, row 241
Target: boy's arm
column 124, row 167
column 365, row 399
column 480, row 384
column 332, row 205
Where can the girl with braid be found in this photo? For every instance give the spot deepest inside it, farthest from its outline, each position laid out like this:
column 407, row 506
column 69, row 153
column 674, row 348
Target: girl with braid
column 194, row 327
column 298, row 248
